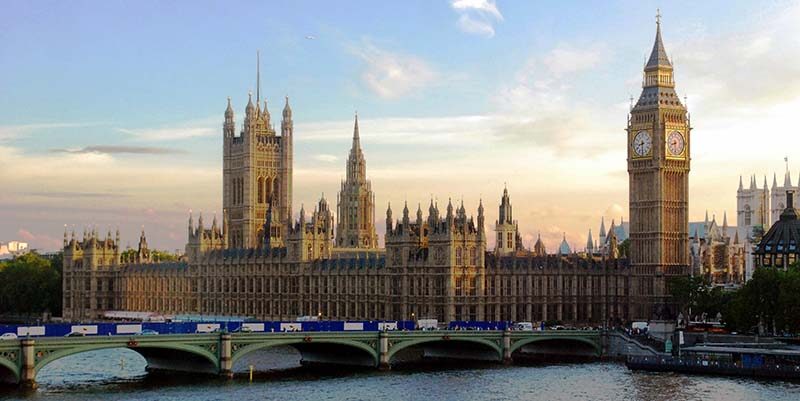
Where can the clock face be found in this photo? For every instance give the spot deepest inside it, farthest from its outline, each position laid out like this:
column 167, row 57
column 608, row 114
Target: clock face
column 675, row 143
column 642, row 143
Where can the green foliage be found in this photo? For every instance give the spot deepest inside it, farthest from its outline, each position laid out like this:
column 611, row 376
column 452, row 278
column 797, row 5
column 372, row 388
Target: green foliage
column 30, row 284
column 128, row 254
column 163, row 256
column 625, row 248
column 155, row 255
column 687, row 292
column 771, row 299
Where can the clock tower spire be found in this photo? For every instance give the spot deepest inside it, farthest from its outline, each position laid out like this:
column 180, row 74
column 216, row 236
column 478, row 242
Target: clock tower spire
column 658, row 170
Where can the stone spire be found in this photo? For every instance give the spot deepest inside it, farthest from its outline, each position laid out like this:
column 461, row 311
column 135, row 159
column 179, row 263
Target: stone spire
column 258, row 77
column 229, row 110
column 539, row 248
column 389, row 218
column 725, row 224
column 658, row 56
column 356, row 227
column 741, row 187
column 505, row 213
column 191, row 224
column 287, row 111
column 356, row 163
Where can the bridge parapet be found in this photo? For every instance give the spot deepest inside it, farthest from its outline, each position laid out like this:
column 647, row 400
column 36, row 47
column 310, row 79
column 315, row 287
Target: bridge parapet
column 216, row 353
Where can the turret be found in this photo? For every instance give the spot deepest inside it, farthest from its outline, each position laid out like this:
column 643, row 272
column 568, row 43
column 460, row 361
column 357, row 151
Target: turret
column 388, row 219
column 229, row 126
column 603, row 230
column 481, row 218
column 287, row 111
column 450, row 216
column 250, row 109
column 191, row 225
column 406, row 220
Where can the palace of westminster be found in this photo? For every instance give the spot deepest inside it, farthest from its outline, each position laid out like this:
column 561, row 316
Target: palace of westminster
column 260, row 263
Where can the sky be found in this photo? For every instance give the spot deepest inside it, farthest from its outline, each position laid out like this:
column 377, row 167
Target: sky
column 111, row 111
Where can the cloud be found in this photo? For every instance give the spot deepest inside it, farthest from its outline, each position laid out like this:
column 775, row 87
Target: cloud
column 477, row 16
column 121, row 149
column 566, row 59
column 749, row 70
column 8, row 132
column 76, row 195
column 392, row 75
column 38, row 241
column 191, row 129
column 326, row 158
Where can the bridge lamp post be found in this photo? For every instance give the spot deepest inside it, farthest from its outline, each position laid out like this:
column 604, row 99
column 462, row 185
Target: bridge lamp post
column 413, row 319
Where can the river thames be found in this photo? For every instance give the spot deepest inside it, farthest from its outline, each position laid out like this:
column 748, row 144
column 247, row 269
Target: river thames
column 120, row 375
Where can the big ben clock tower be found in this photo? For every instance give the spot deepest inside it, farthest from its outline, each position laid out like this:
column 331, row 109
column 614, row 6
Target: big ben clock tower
column 658, row 170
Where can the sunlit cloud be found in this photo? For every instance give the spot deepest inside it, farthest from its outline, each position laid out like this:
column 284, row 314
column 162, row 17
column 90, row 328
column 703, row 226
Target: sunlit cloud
column 9, row 132
column 326, row 158
column 187, row 130
column 477, row 16
column 391, row 75
column 121, row 149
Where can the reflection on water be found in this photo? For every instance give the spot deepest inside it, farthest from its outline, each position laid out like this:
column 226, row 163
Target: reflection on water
column 120, row 375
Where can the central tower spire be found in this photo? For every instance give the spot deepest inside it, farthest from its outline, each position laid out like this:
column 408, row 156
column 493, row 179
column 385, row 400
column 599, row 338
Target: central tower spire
column 356, row 225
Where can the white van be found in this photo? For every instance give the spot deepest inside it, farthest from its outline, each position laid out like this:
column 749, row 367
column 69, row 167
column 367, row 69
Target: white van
column 427, row 324
column 523, row 326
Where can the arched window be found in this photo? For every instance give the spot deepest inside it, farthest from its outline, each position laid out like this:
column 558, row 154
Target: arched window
column 747, row 215
column 267, row 189
column 260, row 189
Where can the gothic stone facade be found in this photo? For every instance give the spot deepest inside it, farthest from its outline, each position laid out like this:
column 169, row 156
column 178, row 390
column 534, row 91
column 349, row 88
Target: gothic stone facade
column 260, row 265
column 444, row 273
column 658, row 169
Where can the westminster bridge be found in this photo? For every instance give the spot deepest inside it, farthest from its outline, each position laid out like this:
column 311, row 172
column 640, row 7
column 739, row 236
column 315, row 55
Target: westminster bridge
column 217, row 353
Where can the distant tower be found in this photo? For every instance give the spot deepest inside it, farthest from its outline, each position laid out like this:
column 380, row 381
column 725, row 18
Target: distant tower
column 257, row 167
column 356, row 225
column 506, row 228
column 778, row 201
column 658, row 168
column 752, row 210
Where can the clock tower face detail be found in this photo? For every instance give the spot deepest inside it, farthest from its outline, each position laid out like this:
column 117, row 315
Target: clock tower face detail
column 658, row 169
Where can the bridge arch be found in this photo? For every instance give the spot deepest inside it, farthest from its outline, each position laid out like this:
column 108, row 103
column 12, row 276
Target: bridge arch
column 405, row 344
column 9, row 371
column 594, row 344
column 148, row 351
column 300, row 345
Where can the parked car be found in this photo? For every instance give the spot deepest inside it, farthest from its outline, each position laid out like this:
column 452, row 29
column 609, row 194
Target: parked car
column 75, row 334
column 8, row 336
column 147, row 333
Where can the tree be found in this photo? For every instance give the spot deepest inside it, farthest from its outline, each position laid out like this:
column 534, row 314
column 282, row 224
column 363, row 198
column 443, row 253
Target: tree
column 625, row 248
column 686, row 292
column 30, row 284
